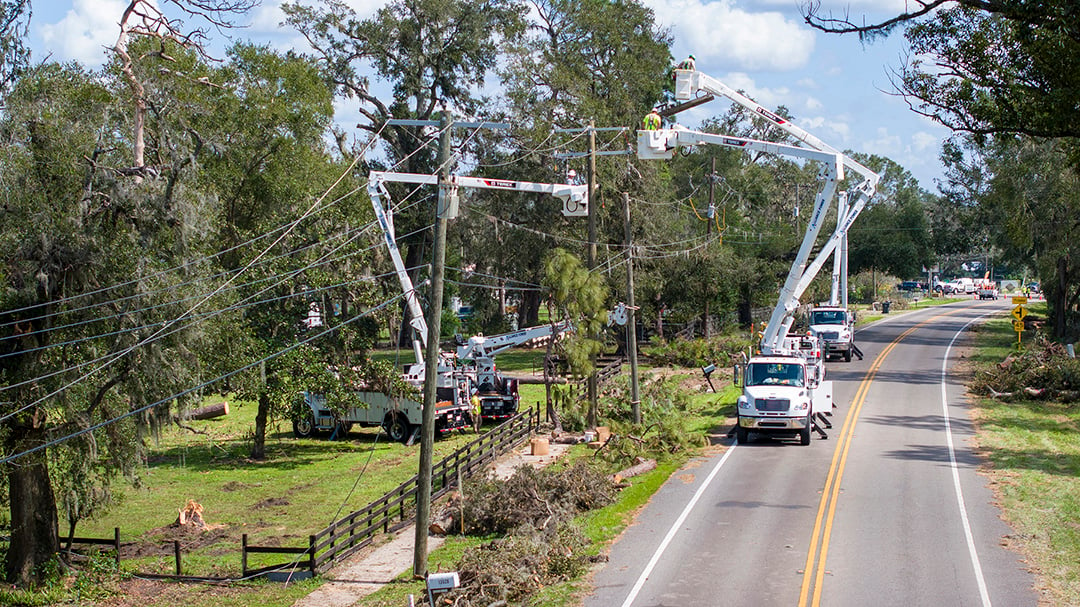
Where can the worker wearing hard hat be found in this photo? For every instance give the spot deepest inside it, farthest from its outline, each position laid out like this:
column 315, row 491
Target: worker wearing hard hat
column 651, row 122
column 688, row 64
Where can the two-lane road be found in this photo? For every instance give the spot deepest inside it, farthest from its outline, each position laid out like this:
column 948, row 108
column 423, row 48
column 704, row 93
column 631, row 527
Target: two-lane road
column 889, row 510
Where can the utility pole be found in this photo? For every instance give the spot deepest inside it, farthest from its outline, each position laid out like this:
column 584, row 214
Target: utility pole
column 590, row 261
column 591, row 417
column 431, row 355
column 445, row 209
column 631, row 316
column 708, row 231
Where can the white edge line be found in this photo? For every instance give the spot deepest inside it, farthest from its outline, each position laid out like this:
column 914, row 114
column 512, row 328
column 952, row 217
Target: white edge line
column 675, row 528
column 956, row 471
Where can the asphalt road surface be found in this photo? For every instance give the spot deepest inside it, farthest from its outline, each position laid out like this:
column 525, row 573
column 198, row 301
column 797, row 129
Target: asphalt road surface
column 889, row 510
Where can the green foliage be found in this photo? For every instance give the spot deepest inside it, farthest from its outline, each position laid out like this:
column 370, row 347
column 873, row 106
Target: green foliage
column 581, row 295
column 664, row 429
column 696, row 352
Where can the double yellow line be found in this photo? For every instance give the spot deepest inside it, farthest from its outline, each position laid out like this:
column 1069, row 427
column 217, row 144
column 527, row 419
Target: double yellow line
column 820, row 540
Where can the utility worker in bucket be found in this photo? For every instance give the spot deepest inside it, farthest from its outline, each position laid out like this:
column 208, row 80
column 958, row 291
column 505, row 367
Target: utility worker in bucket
column 688, row 64
column 651, row 122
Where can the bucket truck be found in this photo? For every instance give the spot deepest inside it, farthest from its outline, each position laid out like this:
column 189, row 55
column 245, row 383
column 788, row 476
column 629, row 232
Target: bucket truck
column 398, row 415
column 785, row 392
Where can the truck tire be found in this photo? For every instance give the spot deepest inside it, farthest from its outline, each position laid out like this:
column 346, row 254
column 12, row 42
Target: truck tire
column 847, row 355
column 397, row 427
column 742, row 435
column 804, row 434
column 303, row 425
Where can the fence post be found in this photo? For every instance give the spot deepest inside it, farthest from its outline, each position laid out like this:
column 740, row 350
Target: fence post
column 176, row 553
column 116, row 544
column 311, row 553
column 243, row 555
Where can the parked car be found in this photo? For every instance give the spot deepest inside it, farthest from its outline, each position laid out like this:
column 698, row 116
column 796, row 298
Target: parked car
column 945, row 288
column 909, row 285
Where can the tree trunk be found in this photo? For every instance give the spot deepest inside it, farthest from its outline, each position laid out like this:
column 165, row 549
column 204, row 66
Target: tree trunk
column 35, row 535
column 529, row 311
column 1059, row 299
column 258, row 443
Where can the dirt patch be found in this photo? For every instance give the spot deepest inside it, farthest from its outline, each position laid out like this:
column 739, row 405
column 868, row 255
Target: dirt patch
column 686, row 478
column 159, row 541
column 271, row 502
column 234, row 486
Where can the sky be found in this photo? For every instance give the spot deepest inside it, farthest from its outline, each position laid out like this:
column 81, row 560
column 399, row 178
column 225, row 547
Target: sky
column 836, row 87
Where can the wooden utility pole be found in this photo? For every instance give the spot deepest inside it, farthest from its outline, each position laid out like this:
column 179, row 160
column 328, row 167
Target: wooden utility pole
column 591, row 418
column 431, row 354
column 708, row 230
column 631, row 317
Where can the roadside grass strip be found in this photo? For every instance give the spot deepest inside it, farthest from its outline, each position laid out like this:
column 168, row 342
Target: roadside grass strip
column 1033, row 449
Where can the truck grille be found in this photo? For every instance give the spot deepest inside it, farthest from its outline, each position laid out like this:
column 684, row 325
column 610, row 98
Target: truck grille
column 830, row 335
column 773, row 404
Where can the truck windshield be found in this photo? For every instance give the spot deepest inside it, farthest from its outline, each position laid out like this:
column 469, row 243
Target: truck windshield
column 828, row 317
column 766, row 374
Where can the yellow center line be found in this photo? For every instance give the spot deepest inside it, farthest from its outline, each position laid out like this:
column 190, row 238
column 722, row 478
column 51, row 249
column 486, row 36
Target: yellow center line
column 831, row 491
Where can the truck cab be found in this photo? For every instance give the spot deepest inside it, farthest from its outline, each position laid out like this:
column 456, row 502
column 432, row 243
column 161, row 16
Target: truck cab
column 781, row 395
column 835, row 325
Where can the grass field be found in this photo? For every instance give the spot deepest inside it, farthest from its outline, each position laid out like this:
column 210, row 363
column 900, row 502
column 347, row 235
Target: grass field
column 1033, row 448
column 300, row 487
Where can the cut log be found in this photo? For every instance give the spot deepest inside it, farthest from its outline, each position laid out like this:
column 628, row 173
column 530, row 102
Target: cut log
column 210, row 411
column 632, row 471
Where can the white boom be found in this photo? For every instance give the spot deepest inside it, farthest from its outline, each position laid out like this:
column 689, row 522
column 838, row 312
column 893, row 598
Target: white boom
column 575, row 201
column 689, row 83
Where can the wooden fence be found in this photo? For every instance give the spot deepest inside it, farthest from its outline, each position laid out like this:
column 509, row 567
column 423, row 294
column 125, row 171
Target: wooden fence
column 395, row 509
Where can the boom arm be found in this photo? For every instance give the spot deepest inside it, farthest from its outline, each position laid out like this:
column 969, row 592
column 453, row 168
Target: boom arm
column 575, row 201
column 689, row 83
column 480, row 346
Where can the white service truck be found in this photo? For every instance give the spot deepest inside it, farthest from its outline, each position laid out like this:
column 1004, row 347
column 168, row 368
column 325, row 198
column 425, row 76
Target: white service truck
column 784, row 395
column 768, row 405
column 400, row 416
column 835, row 325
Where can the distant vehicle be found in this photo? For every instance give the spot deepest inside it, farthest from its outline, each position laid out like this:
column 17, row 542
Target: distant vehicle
column 909, row 285
column 835, row 326
column 945, row 288
column 965, row 285
column 1033, row 288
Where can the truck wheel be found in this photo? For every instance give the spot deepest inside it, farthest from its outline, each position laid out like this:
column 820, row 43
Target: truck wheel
column 742, row 435
column 303, row 426
column 804, row 434
column 397, row 427
column 847, row 355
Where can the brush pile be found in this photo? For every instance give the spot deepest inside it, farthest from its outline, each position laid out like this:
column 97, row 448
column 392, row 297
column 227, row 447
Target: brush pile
column 1044, row 370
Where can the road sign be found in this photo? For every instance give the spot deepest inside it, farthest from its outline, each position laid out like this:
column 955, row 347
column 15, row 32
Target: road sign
column 1019, row 300
column 1019, row 312
column 1018, row 326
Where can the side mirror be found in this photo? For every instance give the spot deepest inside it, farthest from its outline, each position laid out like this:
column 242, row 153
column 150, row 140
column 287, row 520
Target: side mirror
column 736, row 375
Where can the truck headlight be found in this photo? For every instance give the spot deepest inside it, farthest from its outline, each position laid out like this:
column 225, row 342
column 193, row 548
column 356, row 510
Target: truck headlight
column 744, row 403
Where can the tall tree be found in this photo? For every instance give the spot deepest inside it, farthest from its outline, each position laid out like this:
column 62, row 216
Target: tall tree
column 14, row 50
column 433, row 54
column 82, row 342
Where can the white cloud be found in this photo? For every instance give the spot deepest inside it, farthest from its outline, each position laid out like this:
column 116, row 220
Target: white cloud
column 813, row 104
column 720, row 34
column 923, row 142
column 885, row 144
column 84, row 32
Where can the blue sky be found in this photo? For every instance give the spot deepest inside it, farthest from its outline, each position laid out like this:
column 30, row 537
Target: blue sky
column 836, row 87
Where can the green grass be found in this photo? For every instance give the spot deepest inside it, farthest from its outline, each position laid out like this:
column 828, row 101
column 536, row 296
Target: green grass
column 295, row 492
column 1034, row 452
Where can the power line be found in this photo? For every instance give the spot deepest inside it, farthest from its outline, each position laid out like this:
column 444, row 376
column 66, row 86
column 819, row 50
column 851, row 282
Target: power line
column 286, row 350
